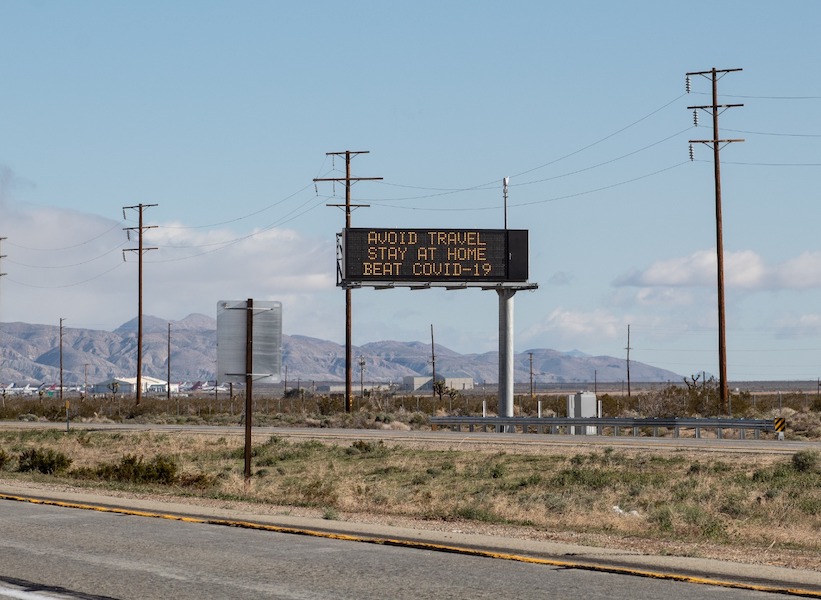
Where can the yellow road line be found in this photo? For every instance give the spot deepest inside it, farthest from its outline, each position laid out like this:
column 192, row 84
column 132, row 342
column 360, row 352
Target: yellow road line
column 426, row 546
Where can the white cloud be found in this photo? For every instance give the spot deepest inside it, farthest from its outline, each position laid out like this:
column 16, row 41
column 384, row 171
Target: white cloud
column 665, row 297
column 560, row 278
column 743, row 270
column 62, row 263
column 798, row 326
column 9, row 182
column 801, row 272
column 564, row 326
column 697, row 269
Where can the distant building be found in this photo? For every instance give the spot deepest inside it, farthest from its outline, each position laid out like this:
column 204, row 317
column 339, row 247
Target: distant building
column 331, row 388
column 412, row 383
column 128, row 385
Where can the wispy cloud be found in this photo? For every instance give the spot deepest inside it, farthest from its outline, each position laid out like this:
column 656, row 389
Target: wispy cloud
column 63, row 263
column 563, row 326
column 745, row 270
column 798, row 326
column 9, row 182
column 560, row 278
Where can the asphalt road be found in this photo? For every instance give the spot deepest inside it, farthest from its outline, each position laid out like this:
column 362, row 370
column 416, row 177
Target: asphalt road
column 56, row 552
column 452, row 439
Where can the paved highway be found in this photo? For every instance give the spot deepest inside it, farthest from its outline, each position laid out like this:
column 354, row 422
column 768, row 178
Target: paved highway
column 454, row 440
column 56, row 552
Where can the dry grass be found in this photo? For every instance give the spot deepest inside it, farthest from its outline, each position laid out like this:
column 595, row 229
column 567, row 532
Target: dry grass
column 678, row 500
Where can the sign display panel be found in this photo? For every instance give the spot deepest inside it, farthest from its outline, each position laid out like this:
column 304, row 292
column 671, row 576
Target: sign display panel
column 232, row 328
column 434, row 255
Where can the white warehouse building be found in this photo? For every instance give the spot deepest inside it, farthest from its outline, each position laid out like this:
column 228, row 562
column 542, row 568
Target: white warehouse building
column 128, row 385
column 413, row 383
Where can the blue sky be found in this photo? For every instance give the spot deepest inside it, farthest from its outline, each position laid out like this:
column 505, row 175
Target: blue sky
column 221, row 114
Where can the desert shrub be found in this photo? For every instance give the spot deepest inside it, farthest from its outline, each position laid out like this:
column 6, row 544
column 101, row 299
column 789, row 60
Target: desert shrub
column 276, row 450
column 133, row 469
column 662, row 516
column 4, row 458
column 200, row 480
column 418, row 419
column 363, row 447
column 475, row 511
column 593, row 479
column 805, row 461
column 45, row 461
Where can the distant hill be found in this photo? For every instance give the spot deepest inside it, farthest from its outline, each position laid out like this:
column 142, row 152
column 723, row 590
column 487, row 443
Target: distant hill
column 31, row 354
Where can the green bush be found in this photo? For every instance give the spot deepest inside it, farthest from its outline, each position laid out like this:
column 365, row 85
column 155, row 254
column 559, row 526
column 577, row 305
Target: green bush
column 662, row 516
column 44, row 461
column 363, row 447
column 133, row 469
column 805, row 461
column 475, row 512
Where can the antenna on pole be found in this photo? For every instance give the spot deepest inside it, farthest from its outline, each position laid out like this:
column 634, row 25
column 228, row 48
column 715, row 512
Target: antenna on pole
column 506, row 181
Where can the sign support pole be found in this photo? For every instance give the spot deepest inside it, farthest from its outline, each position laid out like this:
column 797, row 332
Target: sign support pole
column 505, row 355
column 249, row 369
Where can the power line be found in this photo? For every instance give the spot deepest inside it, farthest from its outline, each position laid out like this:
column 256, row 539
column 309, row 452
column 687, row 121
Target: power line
column 797, row 135
column 763, row 164
column 67, row 285
column 765, row 97
column 535, row 181
column 242, row 218
column 545, row 200
column 227, row 243
column 88, row 241
column 85, row 262
column 494, row 183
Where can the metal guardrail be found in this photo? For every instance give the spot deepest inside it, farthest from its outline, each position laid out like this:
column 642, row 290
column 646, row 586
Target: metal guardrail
column 603, row 426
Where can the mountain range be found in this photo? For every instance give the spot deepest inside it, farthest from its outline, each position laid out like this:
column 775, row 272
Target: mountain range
column 31, row 354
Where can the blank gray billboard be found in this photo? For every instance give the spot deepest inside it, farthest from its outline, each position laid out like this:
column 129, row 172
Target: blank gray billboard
column 266, row 340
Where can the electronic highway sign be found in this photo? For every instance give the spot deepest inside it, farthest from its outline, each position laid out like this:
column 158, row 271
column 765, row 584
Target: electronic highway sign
column 433, row 255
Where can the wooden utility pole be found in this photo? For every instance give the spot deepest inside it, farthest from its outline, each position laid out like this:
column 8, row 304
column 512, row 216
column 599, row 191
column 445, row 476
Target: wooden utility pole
column 432, row 362
column 628, row 360
column 348, row 154
column 531, row 377
column 2, row 256
column 61, row 359
column 714, row 109
column 140, row 250
column 168, row 382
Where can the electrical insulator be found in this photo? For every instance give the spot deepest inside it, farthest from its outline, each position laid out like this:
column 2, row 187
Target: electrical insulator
column 687, row 83
column 695, row 118
column 692, row 154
